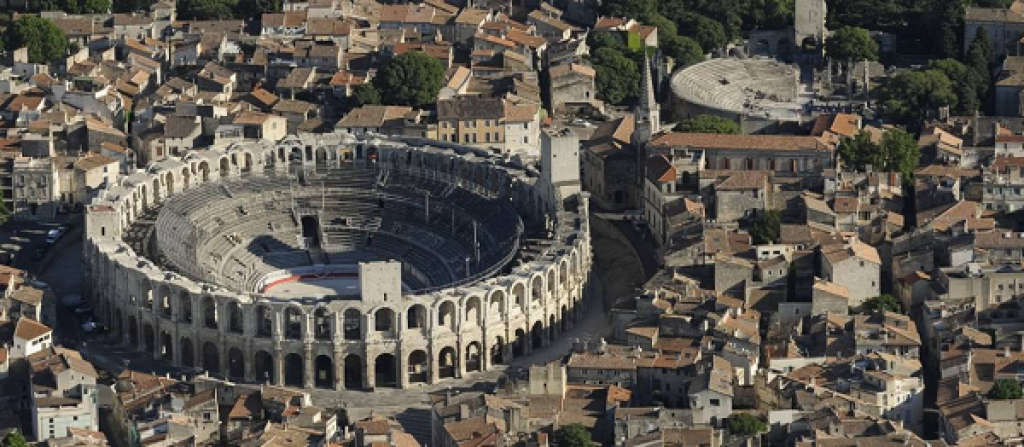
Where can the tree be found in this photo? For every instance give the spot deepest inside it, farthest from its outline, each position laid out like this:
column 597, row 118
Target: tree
column 207, row 9
column 884, row 302
column 683, row 50
column 633, row 9
column 410, row 79
column 1003, row 389
column 709, row 34
column 130, row 6
column 900, row 153
column 849, row 44
column 365, row 94
column 573, row 435
column 897, row 152
column 967, row 84
column 979, row 53
column 767, row 227
column 611, row 40
column 743, row 424
column 909, row 96
column 14, row 439
column 256, row 8
column 709, row 124
column 46, row 43
column 618, row 78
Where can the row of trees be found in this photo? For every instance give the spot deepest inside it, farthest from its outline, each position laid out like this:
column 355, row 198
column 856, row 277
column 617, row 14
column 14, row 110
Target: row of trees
column 224, row 9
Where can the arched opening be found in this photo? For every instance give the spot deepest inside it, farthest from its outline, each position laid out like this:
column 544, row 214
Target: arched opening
column 118, row 324
column 236, row 322
column 563, row 319
column 147, row 300
column 209, row 313
column 519, row 293
column 473, row 363
column 236, row 365
column 446, row 363
column 321, row 155
column 170, row 184
column 186, row 176
column 498, row 351
column 211, row 358
column 385, row 371
column 418, row 367
column 295, row 157
column 519, row 349
column 225, row 169
column 551, row 283
column 292, row 323
column 248, row 163
column 324, row 370
column 353, row 326
column 204, row 169
column 809, row 43
column 496, row 306
column 166, row 346
column 156, row 190
column 185, row 308
column 264, row 324
column 309, row 153
column 133, row 332
column 353, row 372
column 384, row 320
column 473, row 311
column 446, row 315
column 293, row 372
column 762, row 47
column 552, row 328
column 311, row 230
column 536, row 291
column 263, row 367
column 148, row 338
column 322, row 324
column 165, row 304
column 416, row 317
column 537, row 335
column 188, row 358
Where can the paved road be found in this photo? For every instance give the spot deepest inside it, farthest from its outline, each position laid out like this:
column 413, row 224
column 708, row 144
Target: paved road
column 642, row 243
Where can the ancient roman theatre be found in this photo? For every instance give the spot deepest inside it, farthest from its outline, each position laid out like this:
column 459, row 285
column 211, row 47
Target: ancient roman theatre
column 342, row 262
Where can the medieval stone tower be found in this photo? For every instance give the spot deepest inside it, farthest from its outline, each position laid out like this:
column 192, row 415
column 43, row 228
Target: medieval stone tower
column 809, row 24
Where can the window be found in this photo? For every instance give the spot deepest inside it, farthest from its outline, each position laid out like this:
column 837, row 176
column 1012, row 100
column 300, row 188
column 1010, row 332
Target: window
column 526, row 126
column 714, row 402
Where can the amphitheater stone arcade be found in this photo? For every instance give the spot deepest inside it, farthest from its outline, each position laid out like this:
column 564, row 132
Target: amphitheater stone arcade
column 227, row 326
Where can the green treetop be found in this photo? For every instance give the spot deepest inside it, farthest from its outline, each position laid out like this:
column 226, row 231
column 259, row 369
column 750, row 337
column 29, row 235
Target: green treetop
column 46, row 43
column 573, row 435
column 410, row 79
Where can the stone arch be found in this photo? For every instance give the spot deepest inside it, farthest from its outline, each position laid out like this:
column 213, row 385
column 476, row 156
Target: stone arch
column 156, row 189
column 552, row 328
column 321, row 154
column 263, row 366
column 294, row 372
column 204, row 170
column 166, row 303
column 446, row 363
column 188, row 357
column 353, row 372
column 520, row 343
column 563, row 318
column 166, row 346
column 416, row 317
column 446, row 315
column 551, row 281
column 519, row 293
column 473, row 357
column 148, row 338
column 498, row 351
column 563, row 272
column 225, row 167
column 264, row 321
column 133, row 331
column 236, row 364
column 170, row 184
column 496, row 306
column 384, row 320
column 473, row 312
column 186, row 177
column 211, row 357
column 210, row 317
column 419, row 366
column 353, row 326
column 323, row 372
column 536, row 290
column 246, row 162
column 537, row 335
column 293, row 322
column 185, row 308
column 236, row 319
column 323, row 329
column 385, row 370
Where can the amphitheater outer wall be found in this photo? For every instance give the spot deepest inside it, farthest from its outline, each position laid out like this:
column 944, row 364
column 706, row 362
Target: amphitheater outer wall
column 353, row 344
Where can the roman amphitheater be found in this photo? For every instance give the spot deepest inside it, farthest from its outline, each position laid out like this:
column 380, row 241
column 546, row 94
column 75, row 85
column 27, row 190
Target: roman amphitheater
column 735, row 88
column 342, row 262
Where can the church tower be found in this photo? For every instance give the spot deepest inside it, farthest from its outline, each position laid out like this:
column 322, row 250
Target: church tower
column 647, row 116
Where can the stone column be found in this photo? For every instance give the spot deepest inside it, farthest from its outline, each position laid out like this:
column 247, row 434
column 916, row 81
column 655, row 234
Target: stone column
column 460, row 360
column 339, row 365
column 402, row 364
column 309, row 365
column 249, row 361
column 278, row 367
column 433, row 372
column 369, row 378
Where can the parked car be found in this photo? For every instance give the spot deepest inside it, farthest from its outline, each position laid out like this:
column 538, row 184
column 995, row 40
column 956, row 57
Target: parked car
column 55, row 234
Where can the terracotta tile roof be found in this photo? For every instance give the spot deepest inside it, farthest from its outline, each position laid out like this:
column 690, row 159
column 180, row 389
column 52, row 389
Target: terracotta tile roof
column 27, row 329
column 247, row 406
column 520, row 113
column 661, row 170
column 597, row 361
column 373, row 116
column 564, row 69
column 831, row 288
column 744, row 180
column 740, row 142
column 959, row 212
column 845, row 205
column 526, row 39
